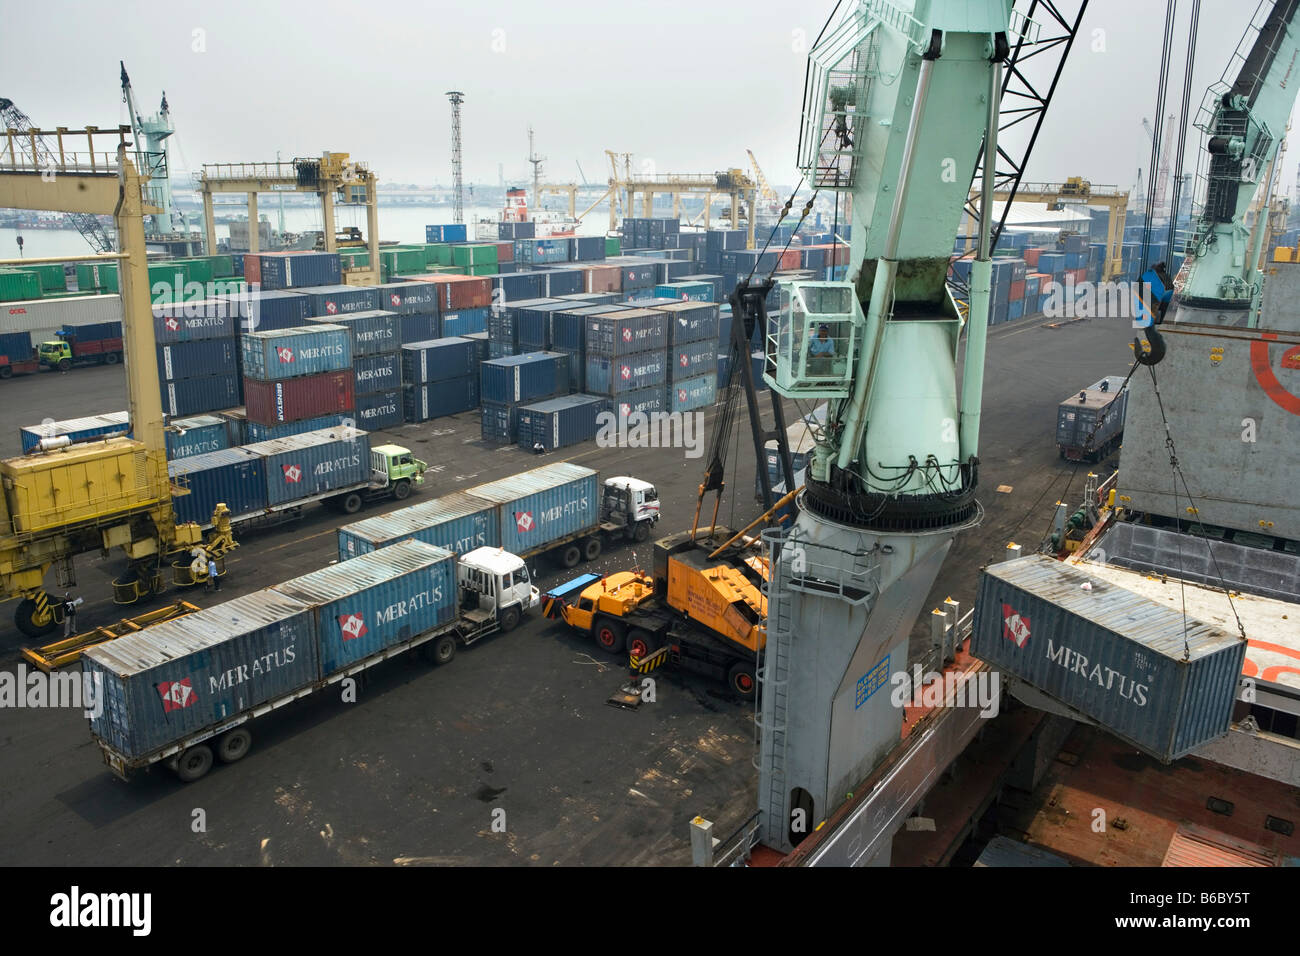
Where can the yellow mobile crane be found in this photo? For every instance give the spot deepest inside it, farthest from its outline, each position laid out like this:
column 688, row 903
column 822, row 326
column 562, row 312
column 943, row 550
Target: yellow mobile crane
column 65, row 498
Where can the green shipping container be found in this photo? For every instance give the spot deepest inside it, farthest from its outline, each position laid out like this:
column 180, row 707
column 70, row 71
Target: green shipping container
column 474, row 255
column 50, row 276
column 402, row 261
column 196, row 270
column 97, row 277
column 222, row 266
column 613, row 246
column 355, row 260
column 16, row 284
column 487, row 269
column 442, row 253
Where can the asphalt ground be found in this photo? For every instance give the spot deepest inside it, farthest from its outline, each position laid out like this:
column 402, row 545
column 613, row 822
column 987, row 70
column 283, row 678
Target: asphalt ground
column 509, row 754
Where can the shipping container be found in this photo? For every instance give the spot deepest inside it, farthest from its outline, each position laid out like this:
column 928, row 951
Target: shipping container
column 456, row 292
column 642, row 401
column 614, row 376
column 626, row 332
column 533, row 322
column 524, row 378
column 292, row 399
column 418, row 327
column 187, row 674
column 372, row 332
column 1143, row 671
column 538, row 508
column 448, row 233
column 378, row 411
column 313, row 463
column 474, row 254
column 541, row 251
column 377, row 373
column 1091, row 422
column 407, row 298
column 564, row 282
column 197, row 359
column 691, row 322
column 689, row 394
column 194, row 321
column 44, row 317
column 77, row 429
column 334, row 300
column 569, row 326
column 254, row 432
column 456, row 522
column 290, row 353
column 420, row 403
column 560, row 422
column 507, row 288
column 267, row 311
column 691, row 360
column 374, row 602
column 207, row 393
column 292, row 270
column 464, row 322
column 499, row 421
column 437, row 360
column 480, row 339
column 516, row 230
column 15, row 347
column 234, row 477
column 685, row 291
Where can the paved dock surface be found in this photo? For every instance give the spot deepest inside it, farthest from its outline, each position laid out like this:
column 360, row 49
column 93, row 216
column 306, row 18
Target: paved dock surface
column 509, row 754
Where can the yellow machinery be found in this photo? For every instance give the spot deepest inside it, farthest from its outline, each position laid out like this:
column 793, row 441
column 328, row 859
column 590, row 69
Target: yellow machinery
column 65, row 499
column 732, row 182
column 68, row 651
column 332, row 177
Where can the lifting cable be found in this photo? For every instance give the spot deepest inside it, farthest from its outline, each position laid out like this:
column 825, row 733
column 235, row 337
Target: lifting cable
column 1162, row 89
column 1177, row 186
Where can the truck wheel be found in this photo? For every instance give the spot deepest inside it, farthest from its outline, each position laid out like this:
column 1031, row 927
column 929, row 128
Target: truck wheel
column 642, row 531
column 509, row 619
column 351, row 503
column 641, row 642
column 65, row 364
column 442, row 650
column 591, row 548
column 570, row 556
column 402, row 490
column 609, row 636
column 194, row 763
column 26, row 619
column 111, row 358
column 741, row 679
column 234, row 744
column 6, row 371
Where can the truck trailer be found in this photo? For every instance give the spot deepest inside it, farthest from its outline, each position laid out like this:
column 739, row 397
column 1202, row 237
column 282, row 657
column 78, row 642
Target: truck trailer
column 183, row 692
column 1090, row 423
column 97, row 344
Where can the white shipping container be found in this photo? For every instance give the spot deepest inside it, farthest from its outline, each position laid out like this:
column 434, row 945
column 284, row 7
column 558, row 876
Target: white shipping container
column 43, row 317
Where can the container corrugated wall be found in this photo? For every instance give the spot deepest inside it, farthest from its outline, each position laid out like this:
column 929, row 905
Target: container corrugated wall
column 232, row 476
column 191, row 396
column 196, row 359
column 419, row 326
column 293, row 399
column 522, row 378
column 437, row 399
column 182, row 676
column 456, row 522
column 290, row 353
column 313, row 463
column 377, row 601
column 1111, row 654
column 75, row 428
column 539, row 507
column 438, row 360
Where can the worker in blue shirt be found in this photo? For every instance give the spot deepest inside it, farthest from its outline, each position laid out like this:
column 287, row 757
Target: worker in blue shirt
column 821, row 350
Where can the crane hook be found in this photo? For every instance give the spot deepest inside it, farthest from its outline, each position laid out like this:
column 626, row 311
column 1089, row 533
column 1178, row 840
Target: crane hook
column 1157, row 350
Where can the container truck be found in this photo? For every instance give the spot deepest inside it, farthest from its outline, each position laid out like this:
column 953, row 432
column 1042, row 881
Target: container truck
column 184, row 692
column 557, row 510
column 17, row 357
column 1090, row 423
column 97, row 344
column 270, row 481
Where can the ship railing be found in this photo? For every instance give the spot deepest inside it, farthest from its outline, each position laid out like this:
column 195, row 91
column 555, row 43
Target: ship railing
column 736, row 848
column 949, row 627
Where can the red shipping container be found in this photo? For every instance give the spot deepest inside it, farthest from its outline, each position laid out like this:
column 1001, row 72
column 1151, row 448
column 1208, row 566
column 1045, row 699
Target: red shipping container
column 790, row 260
column 293, row 399
column 603, row 279
column 505, row 251
column 462, row 292
column 252, row 268
column 1017, row 291
column 1031, row 257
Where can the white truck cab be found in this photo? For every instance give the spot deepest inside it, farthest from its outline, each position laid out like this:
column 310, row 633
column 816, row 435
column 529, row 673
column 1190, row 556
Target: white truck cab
column 632, row 503
column 500, row 582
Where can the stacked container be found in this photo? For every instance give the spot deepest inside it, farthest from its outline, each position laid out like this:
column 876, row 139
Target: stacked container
column 312, row 463
column 292, row 270
column 292, row 374
column 560, row 422
column 336, row 300
column 692, row 355
column 507, row 383
column 440, row 377
column 197, row 356
column 627, row 358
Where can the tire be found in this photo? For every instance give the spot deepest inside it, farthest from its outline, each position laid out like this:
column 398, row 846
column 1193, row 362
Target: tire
column 442, row 650
column 509, row 619
column 350, row 503
column 194, row 763
column 570, row 556
column 610, row 636
column 741, row 680
column 6, row 371
column 642, row 531
column 591, row 548
column 25, row 620
column 112, row 358
column 641, row 642
column 234, row 744
column 402, row 490
column 65, row 364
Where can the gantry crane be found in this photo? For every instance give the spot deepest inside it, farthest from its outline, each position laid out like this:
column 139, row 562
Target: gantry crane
column 27, row 146
column 66, row 498
column 731, row 182
column 332, row 177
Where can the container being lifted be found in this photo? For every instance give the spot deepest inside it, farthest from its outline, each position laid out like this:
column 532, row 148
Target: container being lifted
column 1081, row 645
column 1090, row 424
column 187, row 689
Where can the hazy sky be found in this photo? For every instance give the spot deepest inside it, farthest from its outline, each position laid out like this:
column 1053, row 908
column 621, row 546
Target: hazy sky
column 686, row 85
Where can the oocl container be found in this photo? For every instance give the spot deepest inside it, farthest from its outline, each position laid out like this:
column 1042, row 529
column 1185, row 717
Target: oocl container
column 183, row 675
column 372, row 332
column 539, row 507
column 522, row 378
column 437, row 360
column 457, row 522
column 290, row 353
column 292, row 399
column 377, row 601
column 313, row 463
column 1163, row 683
column 232, row 476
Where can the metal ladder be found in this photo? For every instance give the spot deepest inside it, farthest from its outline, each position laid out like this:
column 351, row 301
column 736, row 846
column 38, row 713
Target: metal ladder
column 770, row 726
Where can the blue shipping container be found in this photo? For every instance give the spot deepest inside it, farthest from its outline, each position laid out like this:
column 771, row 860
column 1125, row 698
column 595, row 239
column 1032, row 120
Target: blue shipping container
column 335, row 300
column 453, row 232
column 438, row 360
column 377, row 373
column 692, row 393
column 407, row 298
column 464, row 322
column 539, row 251
column 692, row 360
column 509, row 287
column 560, row 422
column 685, row 291
column 379, row 410
column 188, row 321
column 187, row 674
column 372, row 332
column 234, row 477
column 289, row 353
column 268, row 310
column 499, row 421
column 644, row 401
column 420, row 403
column 257, row 432
column 376, row 602
column 539, row 507
column 533, row 323
column 614, row 376
column 187, row 437
column 197, row 359
column 627, row 332
column 564, row 282
column 191, row 396
column 312, row 463
column 523, row 378
column 455, row 522
column 294, row 270
column 420, row 327
column 692, row 322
